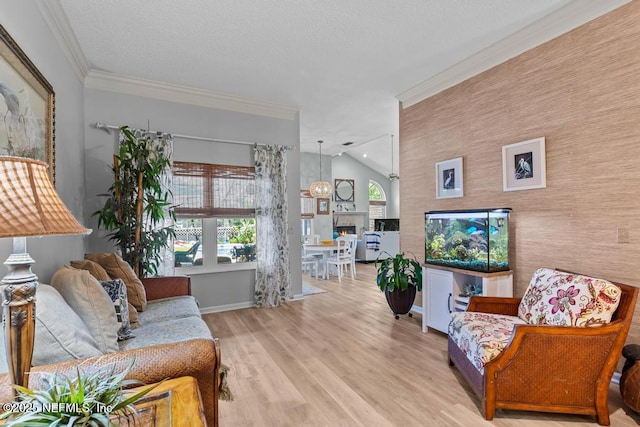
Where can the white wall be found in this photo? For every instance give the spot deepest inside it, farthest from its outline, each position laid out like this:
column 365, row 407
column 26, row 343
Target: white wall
column 24, row 22
column 309, row 172
column 347, row 167
column 213, row 290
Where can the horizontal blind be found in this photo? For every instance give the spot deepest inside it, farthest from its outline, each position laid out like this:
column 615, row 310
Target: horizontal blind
column 307, row 207
column 205, row 190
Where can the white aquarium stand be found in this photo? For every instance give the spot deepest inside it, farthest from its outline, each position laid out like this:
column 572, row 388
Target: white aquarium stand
column 443, row 292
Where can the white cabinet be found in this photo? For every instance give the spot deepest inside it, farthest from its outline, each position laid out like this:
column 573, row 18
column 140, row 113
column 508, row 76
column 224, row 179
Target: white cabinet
column 443, row 292
column 389, row 243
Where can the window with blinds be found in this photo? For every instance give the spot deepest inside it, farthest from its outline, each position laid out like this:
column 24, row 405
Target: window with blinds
column 215, row 206
column 204, row 190
column 377, row 203
column 307, row 205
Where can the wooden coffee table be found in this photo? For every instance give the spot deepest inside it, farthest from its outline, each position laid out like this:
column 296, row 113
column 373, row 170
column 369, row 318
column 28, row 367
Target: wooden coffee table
column 185, row 404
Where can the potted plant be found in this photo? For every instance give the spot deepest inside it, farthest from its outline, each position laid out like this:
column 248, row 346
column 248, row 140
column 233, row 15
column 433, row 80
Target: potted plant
column 138, row 203
column 93, row 397
column 399, row 277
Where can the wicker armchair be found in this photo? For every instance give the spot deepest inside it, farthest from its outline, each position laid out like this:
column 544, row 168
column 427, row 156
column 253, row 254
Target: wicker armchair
column 198, row 358
column 549, row 368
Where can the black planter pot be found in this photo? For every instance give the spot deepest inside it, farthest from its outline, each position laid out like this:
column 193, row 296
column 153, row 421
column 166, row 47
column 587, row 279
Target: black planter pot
column 400, row 301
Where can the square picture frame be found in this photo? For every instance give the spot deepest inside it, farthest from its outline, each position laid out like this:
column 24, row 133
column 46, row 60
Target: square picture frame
column 29, row 108
column 322, row 206
column 449, row 179
column 524, row 165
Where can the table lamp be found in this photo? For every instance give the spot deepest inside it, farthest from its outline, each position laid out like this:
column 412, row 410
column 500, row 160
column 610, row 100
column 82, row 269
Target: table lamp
column 29, row 206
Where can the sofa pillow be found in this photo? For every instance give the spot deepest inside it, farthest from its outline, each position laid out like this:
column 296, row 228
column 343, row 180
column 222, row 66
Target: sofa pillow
column 133, row 314
column 117, row 268
column 92, row 267
column 566, row 299
column 60, row 333
column 117, row 291
column 90, row 301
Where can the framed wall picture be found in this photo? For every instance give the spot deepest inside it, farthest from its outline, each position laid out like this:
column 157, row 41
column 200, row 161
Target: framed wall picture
column 524, row 166
column 449, row 179
column 27, row 128
column 344, row 190
column 322, row 206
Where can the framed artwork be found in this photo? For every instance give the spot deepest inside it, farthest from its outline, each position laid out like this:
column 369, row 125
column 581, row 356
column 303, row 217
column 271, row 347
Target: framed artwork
column 345, row 190
column 524, row 166
column 322, row 206
column 449, row 179
column 27, row 107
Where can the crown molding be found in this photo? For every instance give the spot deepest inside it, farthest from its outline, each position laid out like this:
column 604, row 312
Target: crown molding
column 57, row 21
column 565, row 19
column 111, row 82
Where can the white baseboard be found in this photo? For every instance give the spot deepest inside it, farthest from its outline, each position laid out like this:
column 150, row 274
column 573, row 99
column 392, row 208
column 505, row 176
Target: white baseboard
column 239, row 306
column 227, row 307
column 417, row 309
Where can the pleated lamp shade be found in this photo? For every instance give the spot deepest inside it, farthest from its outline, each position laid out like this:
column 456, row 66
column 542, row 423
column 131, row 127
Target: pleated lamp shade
column 29, row 204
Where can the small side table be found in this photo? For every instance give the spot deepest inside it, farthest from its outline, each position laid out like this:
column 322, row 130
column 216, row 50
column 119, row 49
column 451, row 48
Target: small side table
column 630, row 380
column 186, row 403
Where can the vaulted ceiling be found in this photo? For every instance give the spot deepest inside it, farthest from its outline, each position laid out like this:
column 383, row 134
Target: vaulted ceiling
column 343, row 63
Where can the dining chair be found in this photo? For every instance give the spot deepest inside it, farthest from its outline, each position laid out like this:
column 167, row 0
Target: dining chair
column 343, row 256
column 354, row 242
column 308, row 261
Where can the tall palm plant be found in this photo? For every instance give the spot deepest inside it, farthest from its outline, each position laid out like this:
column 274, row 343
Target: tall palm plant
column 138, row 203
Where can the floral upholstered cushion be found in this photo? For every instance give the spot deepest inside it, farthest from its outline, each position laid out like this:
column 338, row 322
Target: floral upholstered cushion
column 481, row 336
column 565, row 299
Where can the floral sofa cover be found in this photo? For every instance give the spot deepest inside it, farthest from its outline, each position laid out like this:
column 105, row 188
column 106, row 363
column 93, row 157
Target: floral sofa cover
column 552, row 298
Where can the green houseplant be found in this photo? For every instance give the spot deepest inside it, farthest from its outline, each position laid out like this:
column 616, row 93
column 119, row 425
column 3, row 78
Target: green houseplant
column 93, row 397
column 138, row 203
column 399, row 277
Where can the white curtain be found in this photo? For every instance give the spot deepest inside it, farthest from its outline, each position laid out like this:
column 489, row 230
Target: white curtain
column 273, row 284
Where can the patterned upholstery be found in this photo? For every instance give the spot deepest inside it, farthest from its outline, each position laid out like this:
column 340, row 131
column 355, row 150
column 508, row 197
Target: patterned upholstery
column 552, row 298
column 481, row 336
column 566, row 299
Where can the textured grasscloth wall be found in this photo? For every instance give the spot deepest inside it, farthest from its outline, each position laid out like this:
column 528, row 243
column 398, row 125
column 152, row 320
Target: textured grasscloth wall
column 582, row 92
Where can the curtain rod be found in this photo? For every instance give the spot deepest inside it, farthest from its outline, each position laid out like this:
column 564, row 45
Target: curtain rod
column 109, row 128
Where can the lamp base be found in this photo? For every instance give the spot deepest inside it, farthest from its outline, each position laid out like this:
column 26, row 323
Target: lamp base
column 18, row 301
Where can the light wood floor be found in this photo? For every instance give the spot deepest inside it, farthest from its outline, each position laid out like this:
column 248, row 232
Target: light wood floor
column 341, row 359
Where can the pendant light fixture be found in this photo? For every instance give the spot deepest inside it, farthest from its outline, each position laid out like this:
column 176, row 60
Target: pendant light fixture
column 392, row 176
column 321, row 189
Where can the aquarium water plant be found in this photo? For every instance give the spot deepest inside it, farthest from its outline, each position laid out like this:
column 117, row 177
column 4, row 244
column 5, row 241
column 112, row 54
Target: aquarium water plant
column 476, row 239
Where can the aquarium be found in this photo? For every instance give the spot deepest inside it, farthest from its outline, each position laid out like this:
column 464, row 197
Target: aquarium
column 476, row 239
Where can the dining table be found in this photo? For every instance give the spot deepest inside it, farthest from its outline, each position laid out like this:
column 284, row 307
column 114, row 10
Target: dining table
column 325, row 250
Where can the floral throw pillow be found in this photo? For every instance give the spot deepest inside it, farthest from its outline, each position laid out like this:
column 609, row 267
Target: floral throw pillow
column 566, row 299
column 117, row 291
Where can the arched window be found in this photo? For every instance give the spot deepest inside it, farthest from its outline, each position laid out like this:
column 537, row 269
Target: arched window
column 377, row 203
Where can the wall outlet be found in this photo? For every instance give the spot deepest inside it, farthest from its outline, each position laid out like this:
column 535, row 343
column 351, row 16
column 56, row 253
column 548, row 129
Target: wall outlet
column 623, row 235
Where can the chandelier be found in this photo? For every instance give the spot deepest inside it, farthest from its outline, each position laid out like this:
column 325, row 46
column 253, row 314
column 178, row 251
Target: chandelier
column 321, row 189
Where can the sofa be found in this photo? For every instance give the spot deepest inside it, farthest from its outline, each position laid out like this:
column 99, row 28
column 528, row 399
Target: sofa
column 80, row 323
column 553, row 350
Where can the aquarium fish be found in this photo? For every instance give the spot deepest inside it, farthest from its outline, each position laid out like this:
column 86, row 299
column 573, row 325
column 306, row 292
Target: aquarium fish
column 475, row 230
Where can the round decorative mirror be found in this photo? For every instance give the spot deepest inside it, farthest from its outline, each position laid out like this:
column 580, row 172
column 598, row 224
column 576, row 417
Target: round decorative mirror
column 345, row 190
